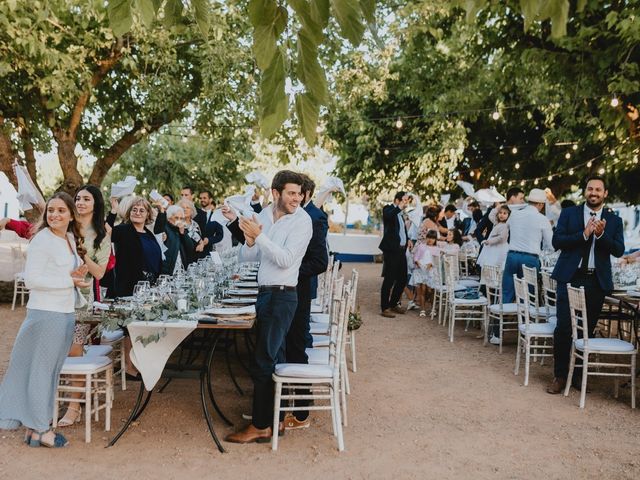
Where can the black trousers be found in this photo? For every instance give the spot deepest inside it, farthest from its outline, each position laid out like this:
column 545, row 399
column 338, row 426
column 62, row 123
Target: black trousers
column 562, row 336
column 274, row 312
column 394, row 271
column 299, row 338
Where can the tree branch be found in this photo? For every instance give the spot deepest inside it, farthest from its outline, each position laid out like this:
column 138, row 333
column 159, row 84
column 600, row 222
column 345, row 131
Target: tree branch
column 104, row 66
column 29, row 151
column 7, row 154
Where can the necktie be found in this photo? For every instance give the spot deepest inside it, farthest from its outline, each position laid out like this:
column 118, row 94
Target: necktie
column 586, row 250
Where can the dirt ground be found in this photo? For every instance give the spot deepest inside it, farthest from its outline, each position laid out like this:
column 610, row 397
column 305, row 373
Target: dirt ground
column 420, row 407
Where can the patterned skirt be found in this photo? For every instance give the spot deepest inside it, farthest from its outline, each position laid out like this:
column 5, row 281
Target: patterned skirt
column 30, row 383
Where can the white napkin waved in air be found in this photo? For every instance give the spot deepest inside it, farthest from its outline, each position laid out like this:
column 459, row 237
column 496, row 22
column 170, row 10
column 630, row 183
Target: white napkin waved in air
column 28, row 194
column 332, row 183
column 124, row 187
column 241, row 204
column 257, row 178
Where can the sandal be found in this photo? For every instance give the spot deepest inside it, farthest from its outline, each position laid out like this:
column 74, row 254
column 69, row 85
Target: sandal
column 58, row 442
column 71, row 418
column 27, row 436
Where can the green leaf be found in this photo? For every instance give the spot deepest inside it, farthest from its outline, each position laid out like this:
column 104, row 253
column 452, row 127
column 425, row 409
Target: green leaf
column 120, row 18
column 147, row 11
column 274, row 104
column 580, row 5
column 280, row 22
column 303, row 10
column 530, row 10
column 172, row 12
column 320, row 12
column 307, row 111
column 369, row 10
column 264, row 45
column 201, row 11
column 349, row 18
column 262, row 12
column 309, row 70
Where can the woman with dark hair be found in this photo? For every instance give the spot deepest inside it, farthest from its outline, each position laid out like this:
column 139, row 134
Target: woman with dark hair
column 433, row 215
column 52, row 273
column 90, row 207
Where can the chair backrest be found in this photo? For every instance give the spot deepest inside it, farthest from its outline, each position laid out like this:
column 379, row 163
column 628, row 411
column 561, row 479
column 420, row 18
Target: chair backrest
column 492, row 275
column 18, row 257
column 437, row 269
column 522, row 302
column 450, row 272
column 530, row 276
column 324, row 280
column 339, row 323
column 354, row 289
column 549, row 286
column 578, row 313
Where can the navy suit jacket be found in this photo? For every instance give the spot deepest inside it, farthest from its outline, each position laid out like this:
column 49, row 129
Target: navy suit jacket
column 391, row 237
column 569, row 239
column 316, row 258
column 211, row 230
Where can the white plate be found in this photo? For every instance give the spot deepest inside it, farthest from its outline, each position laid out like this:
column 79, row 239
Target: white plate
column 253, row 285
column 239, row 300
column 244, row 292
column 216, row 312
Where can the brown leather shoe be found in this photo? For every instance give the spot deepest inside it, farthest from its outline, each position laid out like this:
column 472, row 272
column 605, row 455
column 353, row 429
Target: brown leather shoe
column 292, row 423
column 388, row 313
column 250, row 434
column 557, row 386
column 399, row 309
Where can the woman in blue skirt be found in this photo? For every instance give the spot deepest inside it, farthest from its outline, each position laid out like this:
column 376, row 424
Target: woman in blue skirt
column 52, row 273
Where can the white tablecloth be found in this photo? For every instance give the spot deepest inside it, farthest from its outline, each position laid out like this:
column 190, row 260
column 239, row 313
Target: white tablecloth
column 151, row 359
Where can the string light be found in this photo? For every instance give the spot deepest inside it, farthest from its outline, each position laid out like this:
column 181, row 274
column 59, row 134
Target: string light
column 535, row 182
column 99, row 128
column 472, row 174
column 500, row 182
column 495, row 115
column 399, row 124
column 550, row 177
column 612, row 152
column 589, row 164
column 522, row 183
column 386, row 151
column 635, row 159
column 575, row 146
column 492, row 178
column 615, row 102
column 567, row 155
column 514, row 150
column 510, row 183
column 517, row 166
column 601, row 171
column 571, row 171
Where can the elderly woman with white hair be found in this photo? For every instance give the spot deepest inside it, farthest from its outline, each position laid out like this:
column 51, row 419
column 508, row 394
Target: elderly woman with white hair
column 203, row 240
column 180, row 246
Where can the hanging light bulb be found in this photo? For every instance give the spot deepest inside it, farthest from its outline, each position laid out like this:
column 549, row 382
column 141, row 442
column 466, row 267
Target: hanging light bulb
column 615, row 102
column 589, row 164
column 550, row 177
column 517, row 166
column 495, row 115
column 567, row 155
column 575, row 146
column 492, row 178
column 522, row 183
column 500, row 181
column 612, row 152
column 510, row 183
column 571, row 171
column 472, row 174
column 386, row 151
column 99, row 128
column 635, row 159
column 399, row 124
column 601, row 171
column 514, row 150
column 535, row 182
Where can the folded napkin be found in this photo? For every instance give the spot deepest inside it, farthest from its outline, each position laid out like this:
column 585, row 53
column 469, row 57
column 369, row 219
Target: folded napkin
column 239, row 300
column 243, row 291
column 101, row 306
column 246, row 310
column 257, row 178
column 246, row 284
column 124, row 187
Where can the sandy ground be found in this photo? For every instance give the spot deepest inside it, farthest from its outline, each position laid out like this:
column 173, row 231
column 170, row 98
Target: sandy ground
column 420, row 408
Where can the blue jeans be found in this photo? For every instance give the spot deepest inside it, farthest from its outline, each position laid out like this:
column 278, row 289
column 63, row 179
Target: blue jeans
column 274, row 313
column 514, row 263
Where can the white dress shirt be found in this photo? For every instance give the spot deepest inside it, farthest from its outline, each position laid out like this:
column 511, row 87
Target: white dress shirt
column 226, row 243
column 280, row 247
column 587, row 216
column 529, row 230
column 47, row 272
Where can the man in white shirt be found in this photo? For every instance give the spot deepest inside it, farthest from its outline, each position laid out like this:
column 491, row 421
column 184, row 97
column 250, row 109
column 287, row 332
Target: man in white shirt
column 529, row 232
column 278, row 237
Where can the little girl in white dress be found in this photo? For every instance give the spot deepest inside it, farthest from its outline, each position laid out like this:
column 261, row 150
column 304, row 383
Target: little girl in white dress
column 495, row 247
column 422, row 276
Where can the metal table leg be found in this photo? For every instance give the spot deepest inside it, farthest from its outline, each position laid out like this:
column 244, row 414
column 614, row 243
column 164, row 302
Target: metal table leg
column 135, row 413
column 228, row 360
column 207, row 378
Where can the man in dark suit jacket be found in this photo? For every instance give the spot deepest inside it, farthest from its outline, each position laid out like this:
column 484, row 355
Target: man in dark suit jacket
column 393, row 245
column 314, row 262
column 450, row 221
column 586, row 235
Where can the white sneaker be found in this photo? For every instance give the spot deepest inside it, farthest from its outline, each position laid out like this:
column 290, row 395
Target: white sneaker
column 411, row 305
column 423, row 313
column 494, row 340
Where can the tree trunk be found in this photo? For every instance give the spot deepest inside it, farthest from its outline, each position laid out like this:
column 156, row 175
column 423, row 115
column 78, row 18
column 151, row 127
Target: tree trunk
column 7, row 155
column 69, row 164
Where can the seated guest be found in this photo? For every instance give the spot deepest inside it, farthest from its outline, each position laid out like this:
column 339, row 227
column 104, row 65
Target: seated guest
column 432, row 219
column 181, row 250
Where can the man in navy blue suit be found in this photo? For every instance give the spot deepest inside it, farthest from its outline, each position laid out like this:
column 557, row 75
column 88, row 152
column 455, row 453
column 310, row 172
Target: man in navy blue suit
column 586, row 235
column 393, row 246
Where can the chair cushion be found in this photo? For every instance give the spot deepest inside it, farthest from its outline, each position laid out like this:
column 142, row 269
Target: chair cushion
column 507, row 308
column 540, row 312
column 319, row 328
column 319, row 318
column 97, row 350
column 302, row 370
column 111, row 336
column 320, row 340
column 552, row 320
column 316, row 308
column 537, row 328
column 612, row 345
column 472, row 301
column 469, row 282
column 318, row 356
column 84, row 364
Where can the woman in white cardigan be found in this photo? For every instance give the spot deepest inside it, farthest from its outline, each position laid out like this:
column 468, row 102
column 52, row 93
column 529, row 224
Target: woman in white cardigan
column 52, row 273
